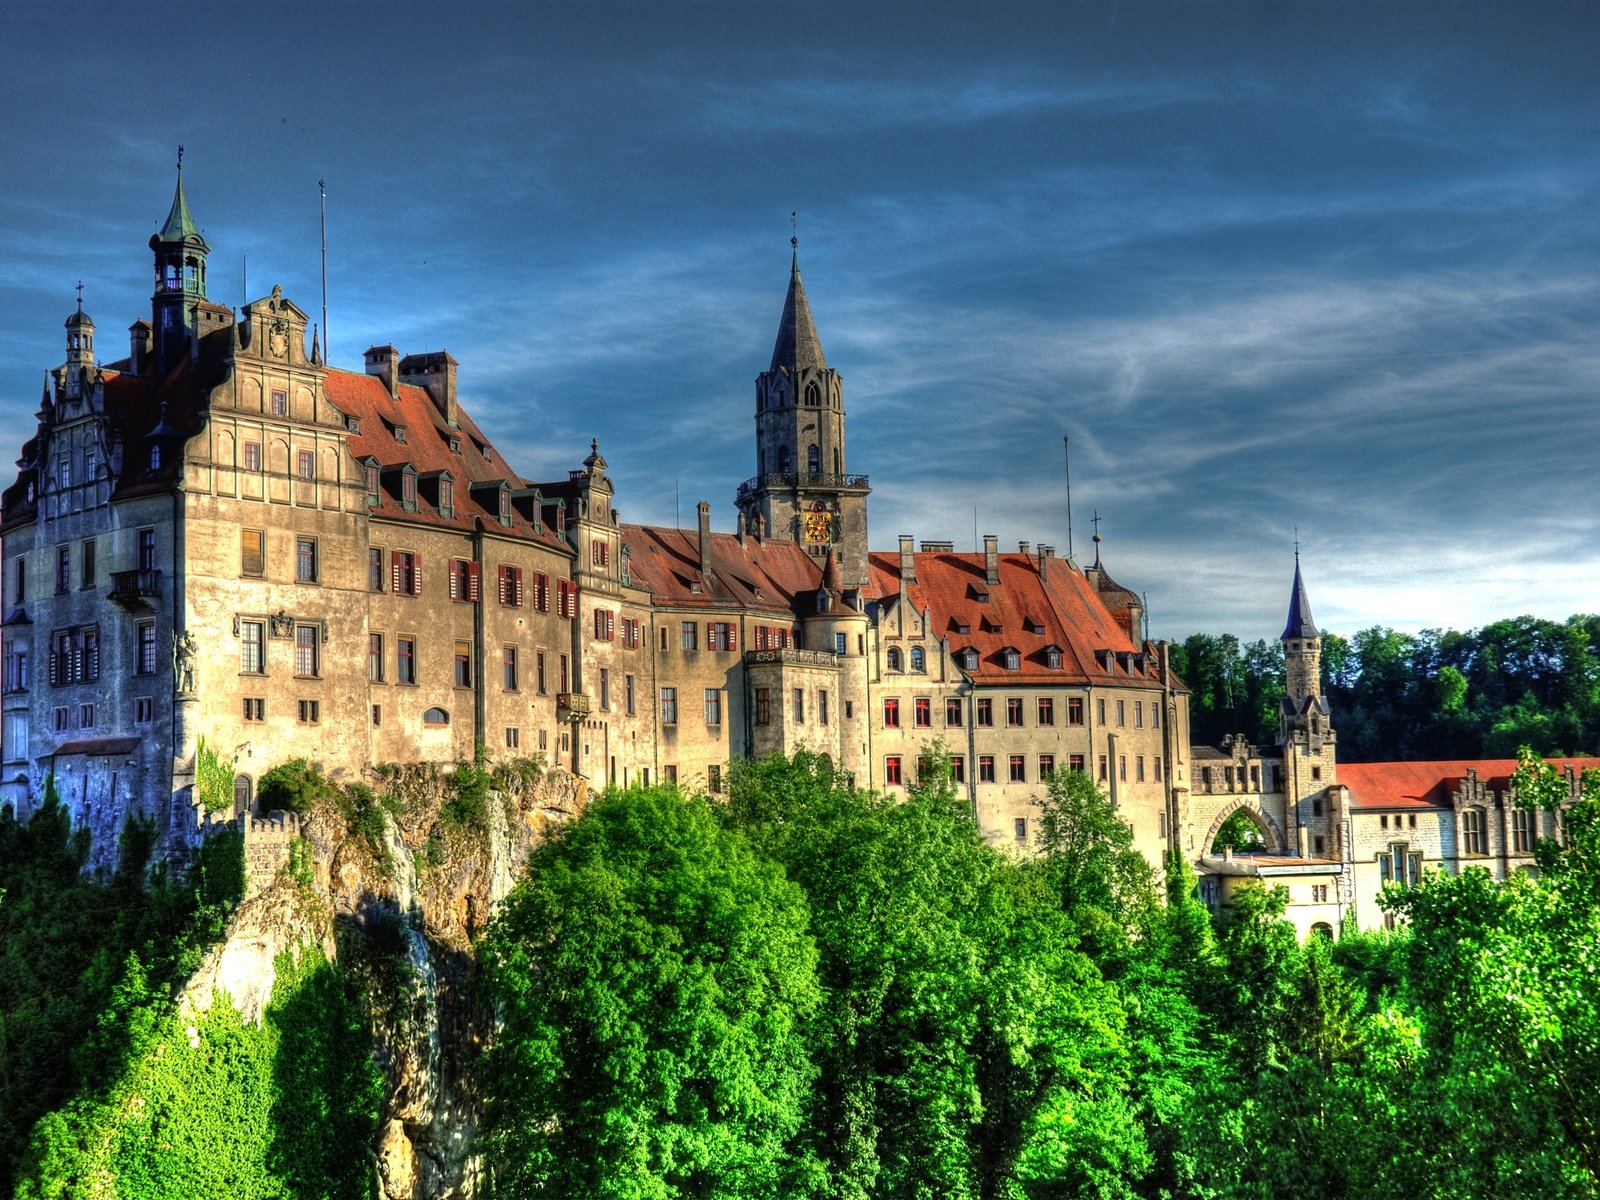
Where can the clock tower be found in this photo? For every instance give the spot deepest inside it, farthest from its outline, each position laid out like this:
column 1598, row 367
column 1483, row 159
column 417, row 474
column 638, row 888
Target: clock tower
column 802, row 489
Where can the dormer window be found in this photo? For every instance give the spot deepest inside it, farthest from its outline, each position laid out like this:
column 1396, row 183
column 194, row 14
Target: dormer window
column 373, row 476
column 400, row 433
column 455, row 445
column 353, row 424
column 447, row 498
column 969, row 659
column 155, row 460
column 505, row 506
column 1012, row 659
column 408, row 490
column 1052, row 657
column 1034, row 627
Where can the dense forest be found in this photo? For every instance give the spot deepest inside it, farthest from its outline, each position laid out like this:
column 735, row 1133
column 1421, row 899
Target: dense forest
column 1398, row 696
column 810, row 990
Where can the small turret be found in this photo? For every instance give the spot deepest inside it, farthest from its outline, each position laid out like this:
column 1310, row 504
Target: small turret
column 80, row 350
column 180, row 283
column 1304, row 709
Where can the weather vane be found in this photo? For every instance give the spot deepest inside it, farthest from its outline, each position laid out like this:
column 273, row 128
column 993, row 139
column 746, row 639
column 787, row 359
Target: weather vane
column 1095, row 521
column 180, row 156
column 1297, row 541
column 794, row 230
column 80, row 295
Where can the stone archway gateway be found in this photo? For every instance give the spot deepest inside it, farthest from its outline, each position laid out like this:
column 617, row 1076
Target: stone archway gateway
column 1276, row 842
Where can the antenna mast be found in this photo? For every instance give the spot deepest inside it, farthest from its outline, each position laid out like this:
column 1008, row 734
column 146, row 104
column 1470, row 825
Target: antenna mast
column 322, row 186
column 1066, row 449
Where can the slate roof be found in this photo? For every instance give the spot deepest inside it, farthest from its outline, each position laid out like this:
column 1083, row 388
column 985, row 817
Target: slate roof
column 1418, row 785
column 797, row 346
column 770, row 575
column 1060, row 603
column 1299, row 624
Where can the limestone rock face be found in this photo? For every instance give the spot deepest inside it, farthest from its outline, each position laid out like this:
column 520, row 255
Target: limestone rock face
column 402, row 912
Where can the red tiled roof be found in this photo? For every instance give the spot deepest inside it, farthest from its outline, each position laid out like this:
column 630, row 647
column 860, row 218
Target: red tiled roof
column 427, row 449
column 771, row 575
column 1375, row 786
column 1060, row 602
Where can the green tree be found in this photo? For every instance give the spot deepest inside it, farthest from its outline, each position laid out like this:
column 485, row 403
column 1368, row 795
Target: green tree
column 654, row 980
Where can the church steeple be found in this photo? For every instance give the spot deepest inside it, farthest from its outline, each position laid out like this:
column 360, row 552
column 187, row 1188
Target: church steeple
column 180, row 282
column 1305, row 712
column 801, row 489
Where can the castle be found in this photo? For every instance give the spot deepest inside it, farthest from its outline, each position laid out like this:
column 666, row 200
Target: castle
column 222, row 537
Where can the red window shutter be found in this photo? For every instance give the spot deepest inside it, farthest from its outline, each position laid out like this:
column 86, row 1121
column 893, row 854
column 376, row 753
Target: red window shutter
column 455, row 579
column 394, row 571
column 505, row 587
column 516, row 581
column 475, row 582
column 733, row 636
column 599, row 623
column 416, row 574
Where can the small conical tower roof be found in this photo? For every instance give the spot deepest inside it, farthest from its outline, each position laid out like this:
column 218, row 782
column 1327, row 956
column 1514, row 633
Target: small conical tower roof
column 1299, row 624
column 180, row 226
column 798, row 346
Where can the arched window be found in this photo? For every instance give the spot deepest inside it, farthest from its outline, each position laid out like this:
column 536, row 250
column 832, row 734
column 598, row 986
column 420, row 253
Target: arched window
column 436, row 716
column 241, row 795
column 919, row 661
column 155, row 458
column 813, row 394
column 1323, row 929
column 814, row 459
column 895, row 661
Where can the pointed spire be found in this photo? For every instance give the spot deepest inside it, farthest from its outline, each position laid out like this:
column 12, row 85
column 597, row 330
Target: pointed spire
column 1300, row 624
column 180, row 225
column 316, row 348
column 797, row 346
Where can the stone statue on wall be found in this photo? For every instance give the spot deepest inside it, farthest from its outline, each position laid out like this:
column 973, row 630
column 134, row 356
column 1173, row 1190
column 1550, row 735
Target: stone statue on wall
column 183, row 652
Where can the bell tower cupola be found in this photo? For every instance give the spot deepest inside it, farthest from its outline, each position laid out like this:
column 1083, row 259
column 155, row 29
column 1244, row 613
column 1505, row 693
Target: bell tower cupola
column 80, row 351
column 180, row 281
column 802, row 488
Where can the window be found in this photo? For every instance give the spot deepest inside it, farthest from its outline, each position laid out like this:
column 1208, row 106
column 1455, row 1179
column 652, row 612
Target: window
column 669, row 706
column 922, row 712
column 1013, row 660
column 1318, row 844
column 670, row 773
column 969, row 660
column 1155, row 715
column 720, row 636
column 538, row 672
column 605, row 688
column 822, row 706
column 63, row 569
column 1100, row 711
column 75, row 655
column 252, row 552
column 1474, row 839
column 1075, row 762
column 513, row 739
column 463, row 664
column 465, row 581
column 16, row 667
column 61, row 720
column 510, row 586
column 985, row 713
column 305, row 560
column 919, row 660
column 144, row 654
column 1013, row 712
column 1103, row 775
column 763, row 706
column 713, row 706
column 1138, row 714
column 952, row 712
column 375, row 569
column 562, row 673
column 405, row 660
column 605, row 625
column 689, row 635
column 85, row 716
column 1524, row 830
column 1018, row 768
column 1047, row 766
column 838, row 643
column 1122, row 713
column 891, row 712
column 1047, row 711
column 447, row 498
column 1019, row 827
column 985, row 768
column 305, row 464
column 252, row 647
column 252, row 456
column 627, row 693
column 310, row 712
column 144, row 708
column 1157, row 767
column 630, row 632
column 799, row 706
column 375, row 657
column 958, row 769
column 88, row 563
column 306, row 654
column 894, row 658
column 147, row 549
column 1316, row 773
column 408, row 491
column 405, row 573
column 435, row 716
column 1122, row 767
column 508, row 668
column 280, row 402
column 600, row 553
column 541, row 591
column 374, row 483
column 891, row 770
column 19, row 580
column 1138, row 768
column 1319, row 893
column 255, row 709
column 713, row 778
column 566, row 599
column 1052, row 658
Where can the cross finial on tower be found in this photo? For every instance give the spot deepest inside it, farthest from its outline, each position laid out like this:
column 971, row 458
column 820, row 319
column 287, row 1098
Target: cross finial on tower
column 1297, row 543
column 1095, row 521
column 80, row 295
column 794, row 229
column 180, row 156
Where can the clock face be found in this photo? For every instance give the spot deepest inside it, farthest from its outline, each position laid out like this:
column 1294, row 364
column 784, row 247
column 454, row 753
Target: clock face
column 817, row 526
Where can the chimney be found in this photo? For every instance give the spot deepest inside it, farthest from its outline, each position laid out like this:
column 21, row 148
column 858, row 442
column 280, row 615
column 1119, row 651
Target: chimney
column 991, row 558
column 435, row 371
column 384, row 362
column 705, row 538
column 1022, row 549
column 908, row 561
column 738, row 527
column 138, row 345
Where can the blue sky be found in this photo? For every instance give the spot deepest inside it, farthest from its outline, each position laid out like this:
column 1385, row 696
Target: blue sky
column 1269, row 265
